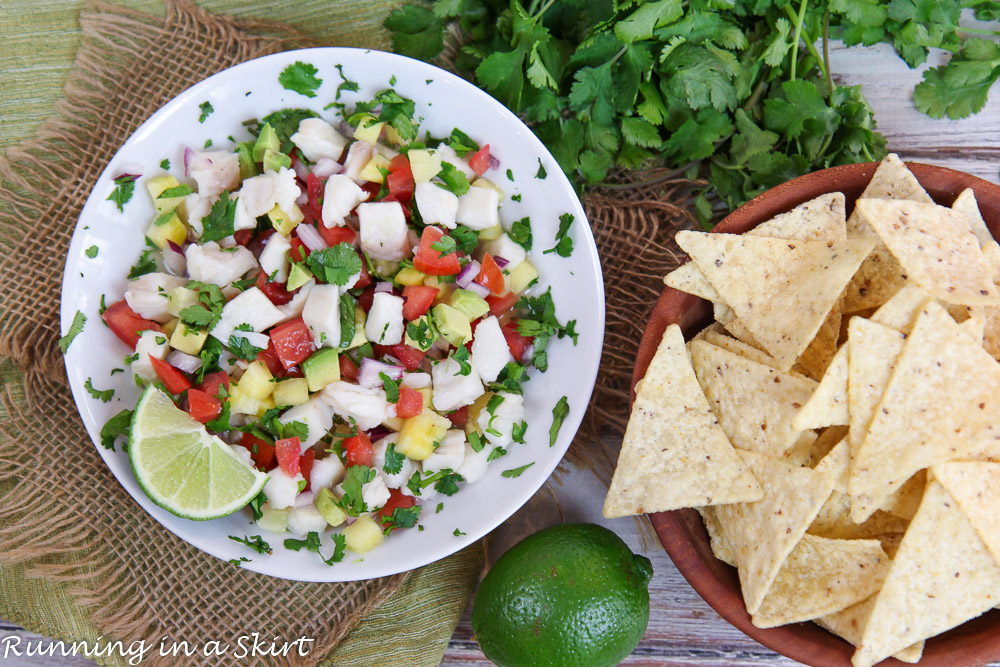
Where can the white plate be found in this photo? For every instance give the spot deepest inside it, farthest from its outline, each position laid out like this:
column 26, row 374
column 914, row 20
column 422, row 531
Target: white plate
column 444, row 101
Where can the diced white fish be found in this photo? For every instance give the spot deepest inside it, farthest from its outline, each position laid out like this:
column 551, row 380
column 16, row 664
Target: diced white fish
column 262, row 193
column 475, row 464
column 208, row 263
column 366, row 406
column 341, row 195
column 315, row 414
column 393, row 480
column 384, row 325
column 317, row 139
column 504, row 246
column 477, row 208
column 448, row 154
column 147, row 295
column 416, row 380
column 375, row 493
column 437, row 206
column 383, row 230
column 281, row 489
column 197, row 206
column 358, row 155
column 490, row 352
column 150, row 344
column 251, row 307
column 214, row 171
column 452, row 390
column 449, row 453
column 293, row 308
column 274, row 257
column 305, row 520
column 326, row 473
column 322, row 315
column 508, row 413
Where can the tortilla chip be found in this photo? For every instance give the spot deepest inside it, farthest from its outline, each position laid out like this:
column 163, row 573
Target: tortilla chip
column 849, row 623
column 754, row 403
column 781, row 291
column 991, row 328
column 965, row 204
column 827, row 440
column 689, row 278
column 976, row 488
column 720, row 547
column 736, row 346
column 801, row 452
column 880, row 276
column 890, row 542
column 975, row 328
column 935, row 248
column 822, row 576
column 942, row 576
column 942, row 400
column 901, row 310
column 991, row 253
column 763, row 533
column 674, row 453
column 817, row 357
column 819, row 219
column 828, row 404
column 905, row 501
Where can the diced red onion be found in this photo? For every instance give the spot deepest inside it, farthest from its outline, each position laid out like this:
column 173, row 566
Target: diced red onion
column 174, row 260
column 188, row 154
column 501, row 262
column 481, row 290
column 468, row 274
column 301, row 170
column 368, row 373
column 305, row 499
column 326, row 167
column 256, row 339
column 494, row 162
column 378, row 433
column 346, row 129
column 383, row 286
column 311, row 237
column 302, row 199
column 184, row 362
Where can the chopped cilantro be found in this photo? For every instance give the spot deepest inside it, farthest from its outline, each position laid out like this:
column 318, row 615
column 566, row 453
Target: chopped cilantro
column 402, row 517
column 335, row 265
column 520, row 232
column 541, row 173
column 145, row 264
column 256, row 543
column 101, row 308
column 311, row 543
column 461, row 356
column 164, row 164
column 393, row 460
column 164, row 218
column 467, row 239
column 421, row 333
column 559, row 413
column 206, row 111
column 301, row 78
column 458, row 533
column 461, row 143
column 345, row 83
column 495, row 401
column 392, row 80
column 352, row 501
column 516, row 472
column 391, row 386
column 199, row 316
column 91, row 252
column 241, row 347
column 564, row 244
column 391, row 108
column 75, row 327
column 516, row 197
column 117, row 370
column 218, row 224
column 517, row 434
column 208, row 143
column 238, row 561
column 347, row 321
column 182, row 190
column 103, row 396
column 510, row 175
column 124, row 187
column 476, row 442
column 495, row 454
column 453, row 180
column 440, row 507
column 256, row 504
column 116, row 426
column 444, row 245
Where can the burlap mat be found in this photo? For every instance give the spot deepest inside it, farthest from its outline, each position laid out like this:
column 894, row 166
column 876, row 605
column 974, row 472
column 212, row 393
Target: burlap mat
column 65, row 519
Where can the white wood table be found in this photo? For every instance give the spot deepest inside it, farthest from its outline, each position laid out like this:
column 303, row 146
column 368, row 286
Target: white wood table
column 683, row 629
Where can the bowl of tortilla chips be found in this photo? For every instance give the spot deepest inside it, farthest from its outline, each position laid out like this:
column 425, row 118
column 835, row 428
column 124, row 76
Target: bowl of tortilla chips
column 815, row 427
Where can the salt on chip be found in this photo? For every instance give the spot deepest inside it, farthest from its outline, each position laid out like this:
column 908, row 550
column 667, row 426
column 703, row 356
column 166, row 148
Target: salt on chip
column 880, row 276
column 965, row 204
column 976, row 488
column 755, row 403
column 763, row 533
column 942, row 575
column 781, row 291
column 822, row 576
column 828, row 404
column 942, row 400
column 689, row 278
column 674, row 453
column 850, row 622
column 935, row 247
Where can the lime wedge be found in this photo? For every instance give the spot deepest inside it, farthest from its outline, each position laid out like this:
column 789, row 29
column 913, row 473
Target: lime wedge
column 184, row 469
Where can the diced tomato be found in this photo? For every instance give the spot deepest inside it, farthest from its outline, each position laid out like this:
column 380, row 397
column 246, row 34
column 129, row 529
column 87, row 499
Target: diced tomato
column 410, row 403
column 501, row 304
column 480, row 160
column 293, row 372
column 292, row 342
column 400, row 180
column 366, row 297
column 515, row 341
column 348, row 371
column 243, row 236
column 409, row 356
column 212, row 383
column 126, row 324
column 459, row 417
column 366, row 279
column 428, row 260
column 174, row 380
column 491, row 277
column 298, row 251
column 418, row 300
column 371, row 188
column 261, row 450
column 270, row 358
column 288, row 451
column 203, row 407
column 396, row 499
column 275, row 292
column 358, row 450
column 312, row 210
column 337, row 235
column 306, row 465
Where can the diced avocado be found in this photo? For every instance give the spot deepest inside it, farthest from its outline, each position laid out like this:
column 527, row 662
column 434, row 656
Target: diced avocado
column 248, row 168
column 424, row 325
column 385, row 267
column 171, row 228
column 321, row 368
column 281, row 221
column 453, row 324
column 267, row 138
column 523, row 276
column 368, row 129
column 470, row 303
column 170, row 326
column 363, row 535
column 409, row 276
column 293, row 391
column 360, row 317
column 188, row 339
column 371, row 171
column 256, row 381
column 180, row 298
column 491, row 233
column 424, row 164
column 419, row 435
column 326, row 505
column 275, row 160
column 156, row 186
column 274, row 521
column 297, row 277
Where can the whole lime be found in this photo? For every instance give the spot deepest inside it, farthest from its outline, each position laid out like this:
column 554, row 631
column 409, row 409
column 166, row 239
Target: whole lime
column 570, row 595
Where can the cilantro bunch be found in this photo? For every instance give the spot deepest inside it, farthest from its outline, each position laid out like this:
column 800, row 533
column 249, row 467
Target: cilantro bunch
column 738, row 92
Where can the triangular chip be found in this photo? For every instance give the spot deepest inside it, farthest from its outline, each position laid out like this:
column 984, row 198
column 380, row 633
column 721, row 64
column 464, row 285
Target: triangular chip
column 905, row 501
column 720, row 547
column 674, row 453
column 822, row 576
column 965, row 204
column 976, row 487
column 763, row 533
column 827, row 440
column 942, row 576
column 828, row 404
column 819, row 219
column 901, row 310
column 755, row 404
column 942, row 400
column 736, row 346
column 935, row 247
column 817, row 357
column 689, row 278
column 849, row 623
column 781, row 291
column 880, row 276
column 801, row 452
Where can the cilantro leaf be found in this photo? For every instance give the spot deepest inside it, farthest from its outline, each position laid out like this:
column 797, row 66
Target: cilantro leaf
column 345, row 83
column 256, row 543
column 218, row 224
column 103, row 396
column 391, row 388
column 541, row 173
column 467, row 239
column 402, row 517
column 393, row 460
column 517, row 433
column 334, row 265
column 352, row 501
column 75, row 328
column 256, row 504
column 199, row 316
column 301, row 78
column 444, row 245
column 92, row 251
column 520, row 232
column 417, row 32
column 182, row 190
column 145, row 264
column 559, row 413
column 516, row 472
column 339, row 547
column 164, row 164
column 461, row 356
column 124, row 188
column 564, row 244
column 347, row 321
column 206, row 110
column 495, row 454
column 453, row 180
column 118, row 425
column 242, row 348
column 461, row 143
column 311, row 543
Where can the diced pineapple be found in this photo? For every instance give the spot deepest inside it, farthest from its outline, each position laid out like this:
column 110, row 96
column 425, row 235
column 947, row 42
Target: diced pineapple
column 265, row 405
column 326, row 504
column 180, row 298
column 392, row 136
column 293, row 391
column 419, row 435
column 393, row 423
column 274, row 521
column 427, row 394
column 491, row 233
column 156, row 186
column 489, row 185
column 522, row 276
column 242, row 404
column 188, row 339
column 368, row 130
column 170, row 326
column 423, row 164
column 409, row 276
column 363, row 535
column 256, row 381
column 371, row 170
column 172, row 229
column 472, row 415
column 282, row 222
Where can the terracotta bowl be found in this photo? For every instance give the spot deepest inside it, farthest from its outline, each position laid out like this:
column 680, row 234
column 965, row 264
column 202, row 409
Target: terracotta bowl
column 682, row 533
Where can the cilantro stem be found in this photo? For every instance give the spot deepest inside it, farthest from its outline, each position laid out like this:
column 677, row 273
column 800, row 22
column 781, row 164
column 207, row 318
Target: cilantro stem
column 618, row 55
column 542, row 11
column 978, row 31
column 752, row 100
column 826, row 53
column 797, row 37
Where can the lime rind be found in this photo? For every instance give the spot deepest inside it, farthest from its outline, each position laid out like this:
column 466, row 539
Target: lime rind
column 183, row 468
